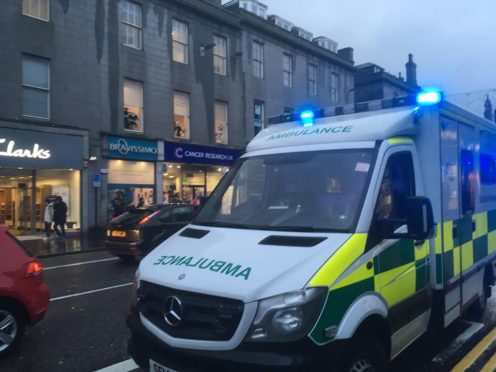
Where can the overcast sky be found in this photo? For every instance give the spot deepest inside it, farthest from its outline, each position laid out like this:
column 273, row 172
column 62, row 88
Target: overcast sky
column 453, row 41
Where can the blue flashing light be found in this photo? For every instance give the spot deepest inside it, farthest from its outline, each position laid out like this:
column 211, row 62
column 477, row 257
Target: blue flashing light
column 429, row 97
column 307, row 118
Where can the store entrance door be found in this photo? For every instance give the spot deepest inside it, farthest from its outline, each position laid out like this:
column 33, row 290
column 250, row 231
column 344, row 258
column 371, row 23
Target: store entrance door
column 16, row 200
column 193, row 193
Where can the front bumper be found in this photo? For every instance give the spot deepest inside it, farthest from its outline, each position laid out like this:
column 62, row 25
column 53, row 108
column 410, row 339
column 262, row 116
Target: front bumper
column 304, row 354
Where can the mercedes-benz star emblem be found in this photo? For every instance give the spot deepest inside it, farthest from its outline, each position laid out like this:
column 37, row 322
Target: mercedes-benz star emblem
column 173, row 311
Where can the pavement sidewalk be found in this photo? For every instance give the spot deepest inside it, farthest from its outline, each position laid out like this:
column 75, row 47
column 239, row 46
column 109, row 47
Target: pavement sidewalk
column 72, row 243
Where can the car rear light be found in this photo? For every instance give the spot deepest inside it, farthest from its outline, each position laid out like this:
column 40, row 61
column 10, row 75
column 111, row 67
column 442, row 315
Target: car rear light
column 148, row 218
column 34, row 269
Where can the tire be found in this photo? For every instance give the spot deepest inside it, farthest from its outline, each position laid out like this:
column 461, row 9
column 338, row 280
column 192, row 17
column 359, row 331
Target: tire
column 12, row 326
column 367, row 355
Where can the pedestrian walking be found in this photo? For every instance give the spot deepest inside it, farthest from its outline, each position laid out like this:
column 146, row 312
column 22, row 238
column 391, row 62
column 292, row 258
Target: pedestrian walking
column 48, row 218
column 59, row 216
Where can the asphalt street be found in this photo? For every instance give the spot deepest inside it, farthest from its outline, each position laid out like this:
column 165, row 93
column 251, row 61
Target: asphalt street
column 84, row 329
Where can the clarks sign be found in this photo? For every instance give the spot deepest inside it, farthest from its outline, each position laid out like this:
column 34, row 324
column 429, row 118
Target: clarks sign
column 37, row 149
column 36, row 152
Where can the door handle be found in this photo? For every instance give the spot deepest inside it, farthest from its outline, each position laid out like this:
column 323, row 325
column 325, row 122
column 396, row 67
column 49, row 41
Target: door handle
column 474, row 226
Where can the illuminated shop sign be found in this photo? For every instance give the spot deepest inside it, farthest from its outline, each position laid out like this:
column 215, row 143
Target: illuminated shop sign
column 11, row 150
column 194, row 154
column 38, row 149
column 131, row 148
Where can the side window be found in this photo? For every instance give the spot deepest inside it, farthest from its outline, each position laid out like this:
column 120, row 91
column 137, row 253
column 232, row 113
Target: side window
column 468, row 181
column 397, row 185
column 182, row 214
column 166, row 216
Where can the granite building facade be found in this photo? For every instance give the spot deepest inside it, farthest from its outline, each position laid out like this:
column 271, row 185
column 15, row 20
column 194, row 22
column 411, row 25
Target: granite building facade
column 150, row 99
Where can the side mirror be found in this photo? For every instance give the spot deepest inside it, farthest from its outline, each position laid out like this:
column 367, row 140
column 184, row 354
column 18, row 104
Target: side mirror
column 420, row 218
column 419, row 222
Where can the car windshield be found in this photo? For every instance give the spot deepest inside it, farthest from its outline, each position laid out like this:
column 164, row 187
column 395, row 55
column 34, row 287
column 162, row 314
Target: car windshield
column 303, row 191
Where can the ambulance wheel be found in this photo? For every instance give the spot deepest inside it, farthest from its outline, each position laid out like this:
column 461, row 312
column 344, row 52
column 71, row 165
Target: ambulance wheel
column 368, row 355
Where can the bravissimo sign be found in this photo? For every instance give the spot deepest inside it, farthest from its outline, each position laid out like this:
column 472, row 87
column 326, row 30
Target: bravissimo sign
column 132, row 148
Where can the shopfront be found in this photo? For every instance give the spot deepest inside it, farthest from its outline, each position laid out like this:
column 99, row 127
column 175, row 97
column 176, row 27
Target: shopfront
column 192, row 171
column 131, row 172
column 33, row 166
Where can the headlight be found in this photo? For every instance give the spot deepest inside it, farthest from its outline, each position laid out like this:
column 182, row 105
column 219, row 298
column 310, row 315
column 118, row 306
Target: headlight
column 108, row 232
column 287, row 317
column 136, row 233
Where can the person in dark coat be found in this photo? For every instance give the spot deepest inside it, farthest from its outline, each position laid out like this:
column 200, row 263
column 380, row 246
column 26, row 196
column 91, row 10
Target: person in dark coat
column 59, row 216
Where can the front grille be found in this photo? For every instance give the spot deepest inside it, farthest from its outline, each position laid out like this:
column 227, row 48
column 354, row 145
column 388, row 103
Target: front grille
column 204, row 317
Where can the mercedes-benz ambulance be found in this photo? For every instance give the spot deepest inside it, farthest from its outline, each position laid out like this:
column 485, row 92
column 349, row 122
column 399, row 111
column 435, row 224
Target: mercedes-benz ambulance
column 336, row 240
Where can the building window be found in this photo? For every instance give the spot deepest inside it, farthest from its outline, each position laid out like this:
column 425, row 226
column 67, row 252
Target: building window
column 220, row 55
column 258, row 116
column 133, row 106
column 221, row 122
column 258, row 59
column 287, row 70
column 180, row 41
column 334, row 87
column 132, row 24
column 35, row 87
column 312, row 79
column 36, row 9
column 181, row 115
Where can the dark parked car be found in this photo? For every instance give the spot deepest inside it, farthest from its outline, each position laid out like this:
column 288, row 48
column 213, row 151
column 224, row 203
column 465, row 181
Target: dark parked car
column 139, row 230
column 24, row 296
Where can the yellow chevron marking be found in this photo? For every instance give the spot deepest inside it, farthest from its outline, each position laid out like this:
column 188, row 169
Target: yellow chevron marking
column 491, row 242
column 467, row 255
column 448, row 236
column 476, row 352
column 340, row 261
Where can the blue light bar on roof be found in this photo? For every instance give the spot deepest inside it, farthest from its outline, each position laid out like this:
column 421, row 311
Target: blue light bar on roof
column 307, row 117
column 429, row 97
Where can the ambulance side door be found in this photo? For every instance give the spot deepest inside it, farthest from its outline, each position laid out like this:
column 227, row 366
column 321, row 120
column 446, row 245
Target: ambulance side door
column 401, row 266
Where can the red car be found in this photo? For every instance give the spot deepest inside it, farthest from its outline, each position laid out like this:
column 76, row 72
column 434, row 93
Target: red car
column 24, row 296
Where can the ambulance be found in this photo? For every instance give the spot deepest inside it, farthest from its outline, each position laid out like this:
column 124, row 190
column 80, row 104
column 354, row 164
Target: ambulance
column 339, row 237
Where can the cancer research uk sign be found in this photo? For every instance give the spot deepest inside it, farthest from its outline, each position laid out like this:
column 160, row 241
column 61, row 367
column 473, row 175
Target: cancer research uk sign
column 132, row 148
column 194, row 154
column 38, row 150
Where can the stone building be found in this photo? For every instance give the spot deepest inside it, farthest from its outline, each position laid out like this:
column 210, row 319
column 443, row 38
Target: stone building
column 153, row 99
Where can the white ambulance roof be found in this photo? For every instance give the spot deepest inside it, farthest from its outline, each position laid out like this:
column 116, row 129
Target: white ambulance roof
column 365, row 126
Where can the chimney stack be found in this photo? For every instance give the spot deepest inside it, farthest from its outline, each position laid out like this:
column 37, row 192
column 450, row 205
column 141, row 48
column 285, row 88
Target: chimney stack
column 488, row 109
column 346, row 53
column 411, row 71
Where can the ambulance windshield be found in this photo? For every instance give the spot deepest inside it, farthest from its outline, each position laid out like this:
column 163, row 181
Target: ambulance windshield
column 301, row 191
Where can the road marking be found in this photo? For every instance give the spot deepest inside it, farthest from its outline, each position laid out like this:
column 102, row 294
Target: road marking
column 80, row 263
column 89, row 292
column 127, row 365
column 457, row 343
column 477, row 351
column 489, row 367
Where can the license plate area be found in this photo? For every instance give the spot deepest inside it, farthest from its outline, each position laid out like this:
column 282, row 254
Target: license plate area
column 119, row 234
column 157, row 367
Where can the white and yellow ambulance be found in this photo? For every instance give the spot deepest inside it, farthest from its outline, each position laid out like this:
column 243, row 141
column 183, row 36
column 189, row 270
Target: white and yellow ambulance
column 336, row 241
